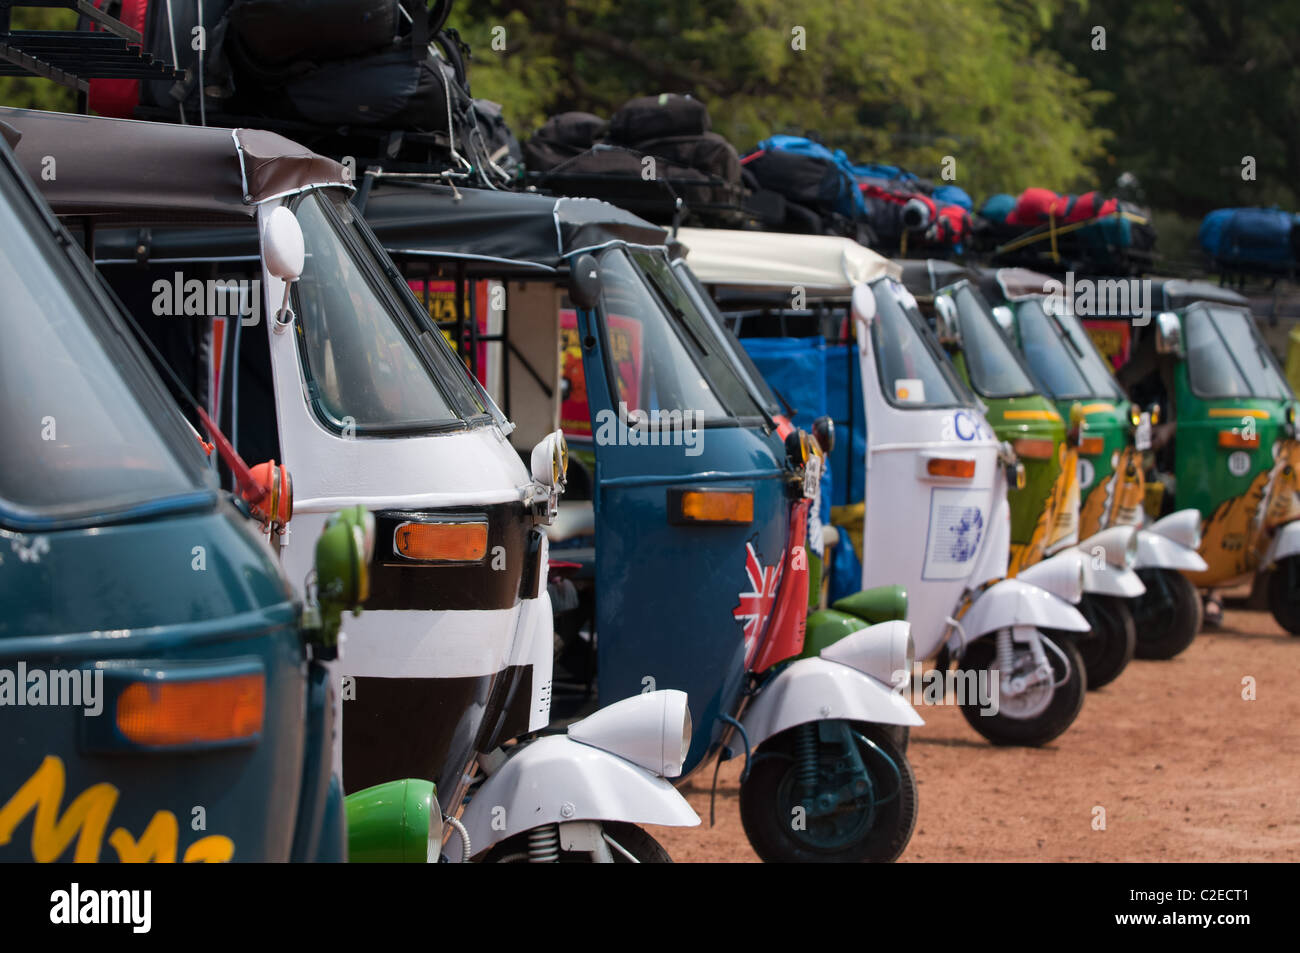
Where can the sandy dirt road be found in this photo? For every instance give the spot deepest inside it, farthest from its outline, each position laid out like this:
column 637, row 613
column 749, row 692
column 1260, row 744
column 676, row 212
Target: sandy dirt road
column 1185, row 768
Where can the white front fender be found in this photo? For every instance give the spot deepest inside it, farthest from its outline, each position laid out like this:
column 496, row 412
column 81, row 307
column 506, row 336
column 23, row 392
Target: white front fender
column 555, row 779
column 1013, row 602
column 1156, row 551
column 1111, row 580
column 1285, row 542
column 817, row 689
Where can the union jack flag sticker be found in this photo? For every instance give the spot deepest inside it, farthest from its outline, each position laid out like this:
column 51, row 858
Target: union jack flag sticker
column 756, row 605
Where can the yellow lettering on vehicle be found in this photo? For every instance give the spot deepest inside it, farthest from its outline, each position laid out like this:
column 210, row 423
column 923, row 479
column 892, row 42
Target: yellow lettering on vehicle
column 86, row 819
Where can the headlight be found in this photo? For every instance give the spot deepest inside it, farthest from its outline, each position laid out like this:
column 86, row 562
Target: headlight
column 879, row 650
column 652, row 730
column 1062, row 575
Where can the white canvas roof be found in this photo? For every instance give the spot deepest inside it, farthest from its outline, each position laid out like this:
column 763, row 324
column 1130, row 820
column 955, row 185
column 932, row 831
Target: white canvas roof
column 821, row 264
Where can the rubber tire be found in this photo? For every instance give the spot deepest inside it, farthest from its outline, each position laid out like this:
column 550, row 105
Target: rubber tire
column 631, row 838
column 767, row 827
column 1284, row 594
column 899, row 735
column 1155, row 641
column 1107, row 650
column 1066, row 703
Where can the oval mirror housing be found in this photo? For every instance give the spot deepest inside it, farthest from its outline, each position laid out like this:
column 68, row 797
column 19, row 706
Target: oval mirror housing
column 283, row 249
column 1169, row 334
column 549, row 462
column 584, row 281
column 864, row 304
column 945, row 310
column 823, row 429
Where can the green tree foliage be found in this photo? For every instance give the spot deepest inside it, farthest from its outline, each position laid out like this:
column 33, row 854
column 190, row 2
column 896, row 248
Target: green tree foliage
column 31, row 92
column 1198, row 85
column 901, row 81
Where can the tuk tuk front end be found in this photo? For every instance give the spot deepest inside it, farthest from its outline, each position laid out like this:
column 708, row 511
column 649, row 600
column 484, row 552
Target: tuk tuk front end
column 694, row 538
column 1233, row 450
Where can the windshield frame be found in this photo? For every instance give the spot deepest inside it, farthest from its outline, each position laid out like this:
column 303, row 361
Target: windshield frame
column 421, row 336
column 1064, row 338
column 667, row 313
column 907, row 307
column 1262, row 350
column 99, row 312
column 985, row 317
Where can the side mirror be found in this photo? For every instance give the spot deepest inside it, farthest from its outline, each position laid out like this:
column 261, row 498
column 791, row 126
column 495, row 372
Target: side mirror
column 584, row 281
column 823, row 429
column 343, row 554
column 1169, row 334
column 945, row 310
column 864, row 304
column 283, row 254
column 1003, row 316
column 549, row 462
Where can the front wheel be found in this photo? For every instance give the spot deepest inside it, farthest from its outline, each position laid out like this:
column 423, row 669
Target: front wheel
column 620, row 843
column 1109, row 647
column 1037, row 702
column 1284, row 594
column 1167, row 615
column 829, row 792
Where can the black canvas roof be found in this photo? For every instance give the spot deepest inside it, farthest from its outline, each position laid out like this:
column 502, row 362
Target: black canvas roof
column 522, row 231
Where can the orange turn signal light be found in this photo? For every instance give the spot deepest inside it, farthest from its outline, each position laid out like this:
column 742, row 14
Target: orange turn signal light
column 948, row 467
column 462, row 541
column 1236, row 440
column 733, row 507
column 166, row 714
column 1035, row 448
column 1092, row 446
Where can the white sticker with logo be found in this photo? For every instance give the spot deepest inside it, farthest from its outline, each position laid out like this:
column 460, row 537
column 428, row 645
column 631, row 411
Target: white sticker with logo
column 909, row 390
column 957, row 522
column 1087, row 473
column 1239, row 463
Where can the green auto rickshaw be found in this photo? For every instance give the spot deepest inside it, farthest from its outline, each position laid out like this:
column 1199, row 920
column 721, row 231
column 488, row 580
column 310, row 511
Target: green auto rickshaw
column 1227, row 445
column 1115, row 434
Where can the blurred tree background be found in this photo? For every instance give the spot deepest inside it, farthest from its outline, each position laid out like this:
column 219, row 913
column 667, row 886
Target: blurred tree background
column 32, row 93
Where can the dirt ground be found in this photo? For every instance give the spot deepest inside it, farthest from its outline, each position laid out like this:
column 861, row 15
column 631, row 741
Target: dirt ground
column 1185, row 768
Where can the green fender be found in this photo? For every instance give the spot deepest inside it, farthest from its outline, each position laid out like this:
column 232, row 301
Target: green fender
column 847, row 615
column 393, row 822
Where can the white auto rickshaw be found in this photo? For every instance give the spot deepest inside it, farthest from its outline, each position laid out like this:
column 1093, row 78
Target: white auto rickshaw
column 927, row 501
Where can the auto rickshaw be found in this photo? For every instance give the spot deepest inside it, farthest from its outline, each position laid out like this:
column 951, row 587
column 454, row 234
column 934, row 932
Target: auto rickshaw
column 921, row 476
column 162, row 693
column 1045, row 512
column 1227, row 445
column 323, row 358
column 1114, row 437
column 694, row 536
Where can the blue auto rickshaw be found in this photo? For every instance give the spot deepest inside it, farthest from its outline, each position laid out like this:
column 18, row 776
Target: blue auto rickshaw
column 696, row 518
column 161, row 693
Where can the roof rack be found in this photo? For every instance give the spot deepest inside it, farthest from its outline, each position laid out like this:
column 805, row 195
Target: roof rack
column 71, row 57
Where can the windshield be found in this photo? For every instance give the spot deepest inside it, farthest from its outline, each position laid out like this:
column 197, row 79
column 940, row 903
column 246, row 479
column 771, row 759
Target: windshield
column 994, row 369
column 1062, row 355
column 754, row 378
column 372, row 363
column 660, row 362
column 85, row 431
column 1226, row 357
column 914, row 373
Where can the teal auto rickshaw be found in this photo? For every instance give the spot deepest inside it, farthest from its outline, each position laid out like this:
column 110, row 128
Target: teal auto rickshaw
column 162, row 694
